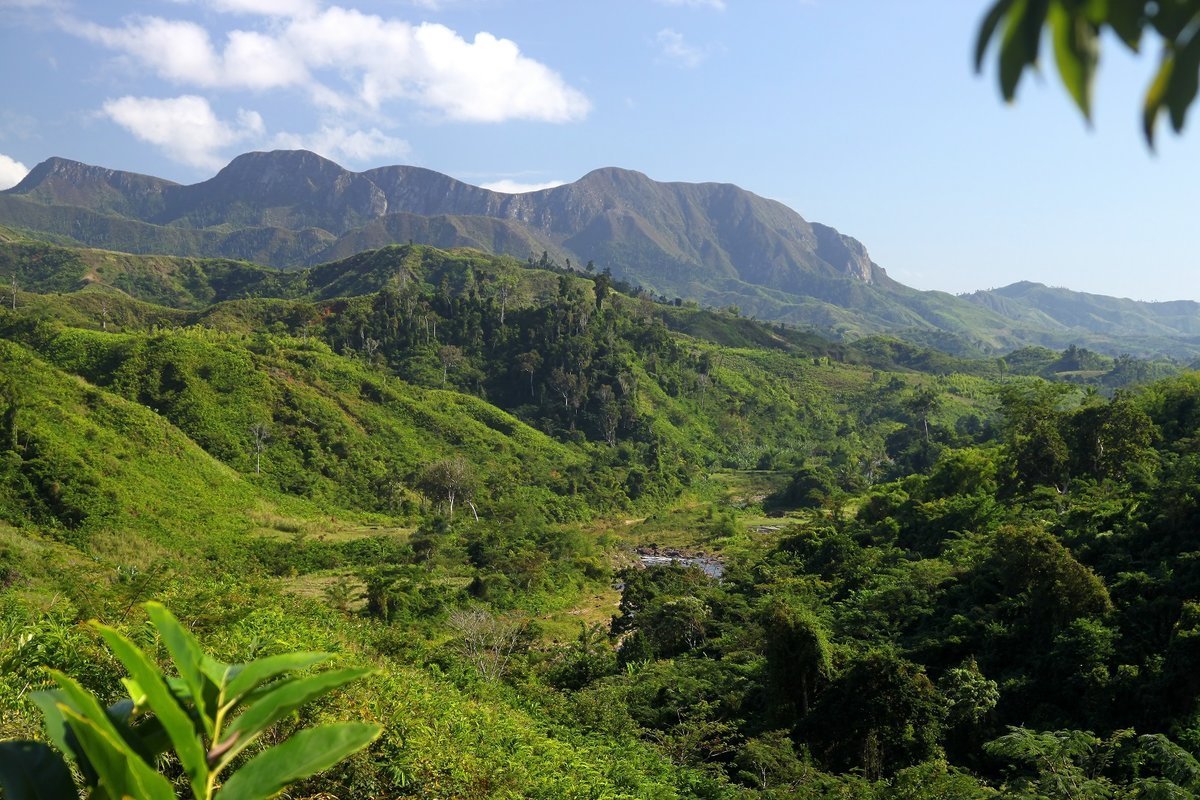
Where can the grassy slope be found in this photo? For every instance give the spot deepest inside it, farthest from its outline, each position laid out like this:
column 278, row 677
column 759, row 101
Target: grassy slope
column 118, row 479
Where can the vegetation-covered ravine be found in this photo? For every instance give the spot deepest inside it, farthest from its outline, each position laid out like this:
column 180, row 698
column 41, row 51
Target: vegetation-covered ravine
column 939, row 576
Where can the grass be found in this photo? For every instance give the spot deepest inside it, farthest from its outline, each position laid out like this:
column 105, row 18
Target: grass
column 596, row 607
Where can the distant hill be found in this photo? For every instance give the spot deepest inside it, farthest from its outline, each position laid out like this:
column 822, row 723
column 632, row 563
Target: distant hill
column 1040, row 305
column 714, row 243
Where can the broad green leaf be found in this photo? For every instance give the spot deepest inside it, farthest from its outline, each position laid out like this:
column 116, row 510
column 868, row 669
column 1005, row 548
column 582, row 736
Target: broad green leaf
column 148, row 739
column 1022, row 36
column 122, row 773
column 304, row 754
column 1126, row 20
column 216, row 671
column 80, row 701
column 264, row 669
column 56, row 726
column 33, row 771
column 1156, row 97
column 137, row 695
column 1185, row 80
column 179, row 727
column 57, row 732
column 186, row 654
column 1075, row 52
column 987, row 29
column 281, row 701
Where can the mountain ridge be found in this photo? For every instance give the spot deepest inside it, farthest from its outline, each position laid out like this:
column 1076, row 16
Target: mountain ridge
column 260, row 188
column 711, row 242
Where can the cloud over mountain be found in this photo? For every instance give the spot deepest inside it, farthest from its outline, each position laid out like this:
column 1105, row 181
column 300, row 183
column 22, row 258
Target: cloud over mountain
column 357, row 76
column 11, row 171
column 346, row 58
column 185, row 127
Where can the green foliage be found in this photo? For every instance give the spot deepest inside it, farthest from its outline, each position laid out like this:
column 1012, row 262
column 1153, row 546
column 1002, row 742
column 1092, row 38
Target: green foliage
column 207, row 716
column 880, row 715
column 799, row 656
column 1076, row 27
column 960, row 551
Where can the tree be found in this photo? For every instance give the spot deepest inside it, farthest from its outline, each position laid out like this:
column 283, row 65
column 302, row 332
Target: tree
column 489, row 642
column 1036, row 447
column 370, row 349
column 9, row 407
column 922, row 403
column 529, row 363
column 969, row 695
column 799, row 657
column 602, row 283
column 610, row 413
column 450, row 356
column 1066, row 764
column 880, row 715
column 452, row 480
column 260, row 434
column 676, row 625
column 1076, row 27
column 504, row 289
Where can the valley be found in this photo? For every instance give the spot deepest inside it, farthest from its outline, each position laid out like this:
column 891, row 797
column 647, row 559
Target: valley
column 493, row 482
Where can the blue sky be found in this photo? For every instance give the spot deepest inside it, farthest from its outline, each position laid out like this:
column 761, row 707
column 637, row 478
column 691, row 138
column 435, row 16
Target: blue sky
column 861, row 114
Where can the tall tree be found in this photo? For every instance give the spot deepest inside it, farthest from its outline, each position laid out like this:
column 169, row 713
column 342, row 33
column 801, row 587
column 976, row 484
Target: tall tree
column 799, row 656
column 451, row 480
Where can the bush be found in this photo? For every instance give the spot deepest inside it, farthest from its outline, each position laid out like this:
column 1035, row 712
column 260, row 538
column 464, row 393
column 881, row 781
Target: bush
column 207, row 716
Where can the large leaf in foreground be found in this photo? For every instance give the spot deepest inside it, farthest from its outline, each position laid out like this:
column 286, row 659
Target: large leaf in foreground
column 188, row 657
column 33, row 771
column 121, row 772
column 175, row 721
column 264, row 669
column 303, row 755
column 282, row 701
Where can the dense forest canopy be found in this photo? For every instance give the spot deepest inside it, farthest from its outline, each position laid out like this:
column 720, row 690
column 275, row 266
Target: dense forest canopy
column 592, row 544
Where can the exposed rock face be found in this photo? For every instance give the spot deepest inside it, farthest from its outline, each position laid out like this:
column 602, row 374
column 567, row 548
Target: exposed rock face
column 664, row 234
column 848, row 255
column 712, row 242
column 287, row 189
column 64, row 182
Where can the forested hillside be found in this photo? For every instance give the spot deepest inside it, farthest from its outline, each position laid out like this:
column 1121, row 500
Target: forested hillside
column 713, row 243
column 594, row 545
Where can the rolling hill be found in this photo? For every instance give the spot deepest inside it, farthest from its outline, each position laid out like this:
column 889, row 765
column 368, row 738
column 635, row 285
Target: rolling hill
column 713, row 243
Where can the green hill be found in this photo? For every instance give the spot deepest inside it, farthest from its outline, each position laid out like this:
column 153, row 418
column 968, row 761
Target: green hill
column 712, row 243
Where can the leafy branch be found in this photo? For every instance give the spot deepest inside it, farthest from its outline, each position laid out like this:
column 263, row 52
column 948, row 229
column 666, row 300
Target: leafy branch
column 207, row 716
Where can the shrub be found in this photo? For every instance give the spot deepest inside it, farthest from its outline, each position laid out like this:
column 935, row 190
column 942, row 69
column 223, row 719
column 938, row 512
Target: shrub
column 207, row 716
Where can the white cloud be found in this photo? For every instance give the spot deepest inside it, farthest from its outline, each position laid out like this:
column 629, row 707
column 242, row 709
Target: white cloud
column 183, row 52
column 718, row 5
column 11, row 172
column 339, row 143
column 185, row 127
column 267, row 8
column 256, row 61
column 484, row 80
column 509, row 186
column 365, row 61
column 176, row 50
column 673, row 47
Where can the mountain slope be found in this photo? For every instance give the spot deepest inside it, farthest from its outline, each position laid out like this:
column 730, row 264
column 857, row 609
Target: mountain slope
column 714, row 243
column 1044, row 305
